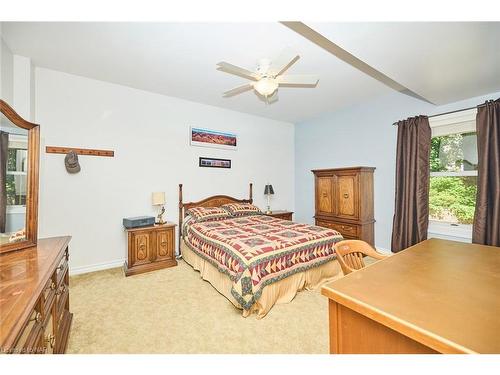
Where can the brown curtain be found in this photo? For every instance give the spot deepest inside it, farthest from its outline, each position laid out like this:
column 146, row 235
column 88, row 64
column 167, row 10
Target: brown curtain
column 411, row 208
column 486, row 228
column 4, row 146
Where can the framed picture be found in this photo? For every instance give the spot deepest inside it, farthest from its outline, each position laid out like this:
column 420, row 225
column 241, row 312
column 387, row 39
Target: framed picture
column 214, row 163
column 211, row 138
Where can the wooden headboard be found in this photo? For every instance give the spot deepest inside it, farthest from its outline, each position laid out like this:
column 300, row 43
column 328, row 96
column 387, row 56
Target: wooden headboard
column 212, row 201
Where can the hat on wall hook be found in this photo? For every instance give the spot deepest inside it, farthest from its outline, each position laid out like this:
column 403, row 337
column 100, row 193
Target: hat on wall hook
column 71, row 162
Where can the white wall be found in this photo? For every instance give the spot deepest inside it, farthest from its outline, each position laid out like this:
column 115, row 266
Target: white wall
column 6, row 72
column 360, row 135
column 22, row 96
column 149, row 134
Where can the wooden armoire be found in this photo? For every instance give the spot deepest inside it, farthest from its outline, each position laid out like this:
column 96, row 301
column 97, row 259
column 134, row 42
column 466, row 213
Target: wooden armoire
column 344, row 201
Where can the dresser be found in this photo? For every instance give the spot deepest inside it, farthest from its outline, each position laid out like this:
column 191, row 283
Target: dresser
column 344, row 201
column 34, row 298
column 150, row 248
column 281, row 214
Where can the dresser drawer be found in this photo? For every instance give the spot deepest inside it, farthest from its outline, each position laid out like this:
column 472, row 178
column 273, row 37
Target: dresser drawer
column 62, row 295
column 48, row 293
column 61, row 270
column 27, row 341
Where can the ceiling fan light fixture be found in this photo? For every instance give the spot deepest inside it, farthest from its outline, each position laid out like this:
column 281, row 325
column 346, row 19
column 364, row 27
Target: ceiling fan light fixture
column 266, row 86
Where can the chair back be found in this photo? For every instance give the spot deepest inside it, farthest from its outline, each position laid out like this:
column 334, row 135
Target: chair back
column 350, row 254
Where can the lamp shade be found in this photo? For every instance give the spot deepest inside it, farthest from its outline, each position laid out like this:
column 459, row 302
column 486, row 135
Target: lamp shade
column 158, row 198
column 268, row 190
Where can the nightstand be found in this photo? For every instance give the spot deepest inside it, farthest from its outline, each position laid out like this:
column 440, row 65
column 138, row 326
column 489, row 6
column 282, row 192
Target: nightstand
column 150, row 248
column 281, row 214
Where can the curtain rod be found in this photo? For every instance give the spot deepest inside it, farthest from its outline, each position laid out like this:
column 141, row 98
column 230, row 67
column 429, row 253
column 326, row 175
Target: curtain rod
column 447, row 113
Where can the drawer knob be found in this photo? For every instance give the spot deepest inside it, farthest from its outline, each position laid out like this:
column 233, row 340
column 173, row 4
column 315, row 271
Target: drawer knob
column 61, row 290
column 50, row 339
column 346, row 195
column 52, row 286
column 37, row 318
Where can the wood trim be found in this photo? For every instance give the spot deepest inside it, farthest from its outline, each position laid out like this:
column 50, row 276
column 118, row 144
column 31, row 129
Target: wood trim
column 31, row 224
column 79, row 151
column 13, row 116
column 148, row 267
column 211, row 201
column 359, row 168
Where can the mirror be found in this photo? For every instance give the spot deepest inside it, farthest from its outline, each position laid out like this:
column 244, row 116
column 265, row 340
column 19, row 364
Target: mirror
column 19, row 150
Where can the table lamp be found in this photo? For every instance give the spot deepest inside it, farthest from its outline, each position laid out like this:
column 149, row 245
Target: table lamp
column 159, row 200
column 268, row 190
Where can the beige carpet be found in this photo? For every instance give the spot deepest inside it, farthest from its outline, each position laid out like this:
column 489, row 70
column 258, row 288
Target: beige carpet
column 174, row 311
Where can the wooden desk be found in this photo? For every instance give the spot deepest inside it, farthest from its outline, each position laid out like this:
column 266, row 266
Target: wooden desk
column 435, row 297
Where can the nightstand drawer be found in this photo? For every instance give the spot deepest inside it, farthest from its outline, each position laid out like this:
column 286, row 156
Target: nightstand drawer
column 283, row 215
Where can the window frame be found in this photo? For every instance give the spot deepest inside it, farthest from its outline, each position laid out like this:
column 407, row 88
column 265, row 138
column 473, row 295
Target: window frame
column 15, row 140
column 452, row 123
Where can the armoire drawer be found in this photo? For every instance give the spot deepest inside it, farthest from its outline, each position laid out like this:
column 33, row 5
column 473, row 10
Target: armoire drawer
column 347, row 230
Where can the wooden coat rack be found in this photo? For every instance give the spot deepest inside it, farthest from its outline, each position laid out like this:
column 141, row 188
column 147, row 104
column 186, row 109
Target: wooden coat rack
column 79, row 151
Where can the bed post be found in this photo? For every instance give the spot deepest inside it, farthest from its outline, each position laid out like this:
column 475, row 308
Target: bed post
column 180, row 219
column 251, row 199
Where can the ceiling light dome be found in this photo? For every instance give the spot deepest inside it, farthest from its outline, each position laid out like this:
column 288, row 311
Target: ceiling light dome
column 266, row 86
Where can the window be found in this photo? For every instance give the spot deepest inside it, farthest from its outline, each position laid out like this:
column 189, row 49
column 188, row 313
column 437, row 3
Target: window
column 453, row 181
column 16, row 179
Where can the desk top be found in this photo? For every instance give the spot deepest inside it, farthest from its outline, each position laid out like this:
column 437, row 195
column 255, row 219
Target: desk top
column 443, row 294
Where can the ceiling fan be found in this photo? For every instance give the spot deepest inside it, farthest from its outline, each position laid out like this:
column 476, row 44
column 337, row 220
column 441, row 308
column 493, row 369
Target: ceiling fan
column 268, row 76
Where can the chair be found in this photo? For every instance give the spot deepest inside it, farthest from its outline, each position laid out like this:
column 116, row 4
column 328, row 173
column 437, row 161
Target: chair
column 350, row 254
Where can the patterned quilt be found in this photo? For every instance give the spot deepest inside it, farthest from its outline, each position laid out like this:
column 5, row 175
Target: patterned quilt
column 258, row 250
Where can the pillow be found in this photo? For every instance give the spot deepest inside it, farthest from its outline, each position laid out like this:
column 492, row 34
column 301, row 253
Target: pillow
column 242, row 209
column 208, row 213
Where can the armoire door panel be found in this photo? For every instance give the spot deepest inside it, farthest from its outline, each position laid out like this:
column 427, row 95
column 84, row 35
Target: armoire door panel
column 347, row 196
column 324, row 195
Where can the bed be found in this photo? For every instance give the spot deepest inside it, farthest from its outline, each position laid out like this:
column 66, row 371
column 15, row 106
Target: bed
column 254, row 260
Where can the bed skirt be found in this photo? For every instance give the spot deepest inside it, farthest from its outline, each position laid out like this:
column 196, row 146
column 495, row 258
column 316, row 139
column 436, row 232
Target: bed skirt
column 280, row 292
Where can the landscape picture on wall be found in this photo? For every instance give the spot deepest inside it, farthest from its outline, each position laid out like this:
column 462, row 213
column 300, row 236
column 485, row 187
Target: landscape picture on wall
column 212, row 138
column 215, row 163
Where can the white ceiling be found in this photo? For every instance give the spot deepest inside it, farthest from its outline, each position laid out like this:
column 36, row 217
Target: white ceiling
column 441, row 62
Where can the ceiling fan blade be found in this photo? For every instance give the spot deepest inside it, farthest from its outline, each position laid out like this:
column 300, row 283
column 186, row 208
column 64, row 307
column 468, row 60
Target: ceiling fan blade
column 236, row 70
column 302, row 79
column 284, row 61
column 238, row 90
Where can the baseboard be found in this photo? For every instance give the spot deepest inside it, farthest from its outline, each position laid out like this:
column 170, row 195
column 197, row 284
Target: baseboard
column 95, row 267
column 383, row 250
column 119, row 263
